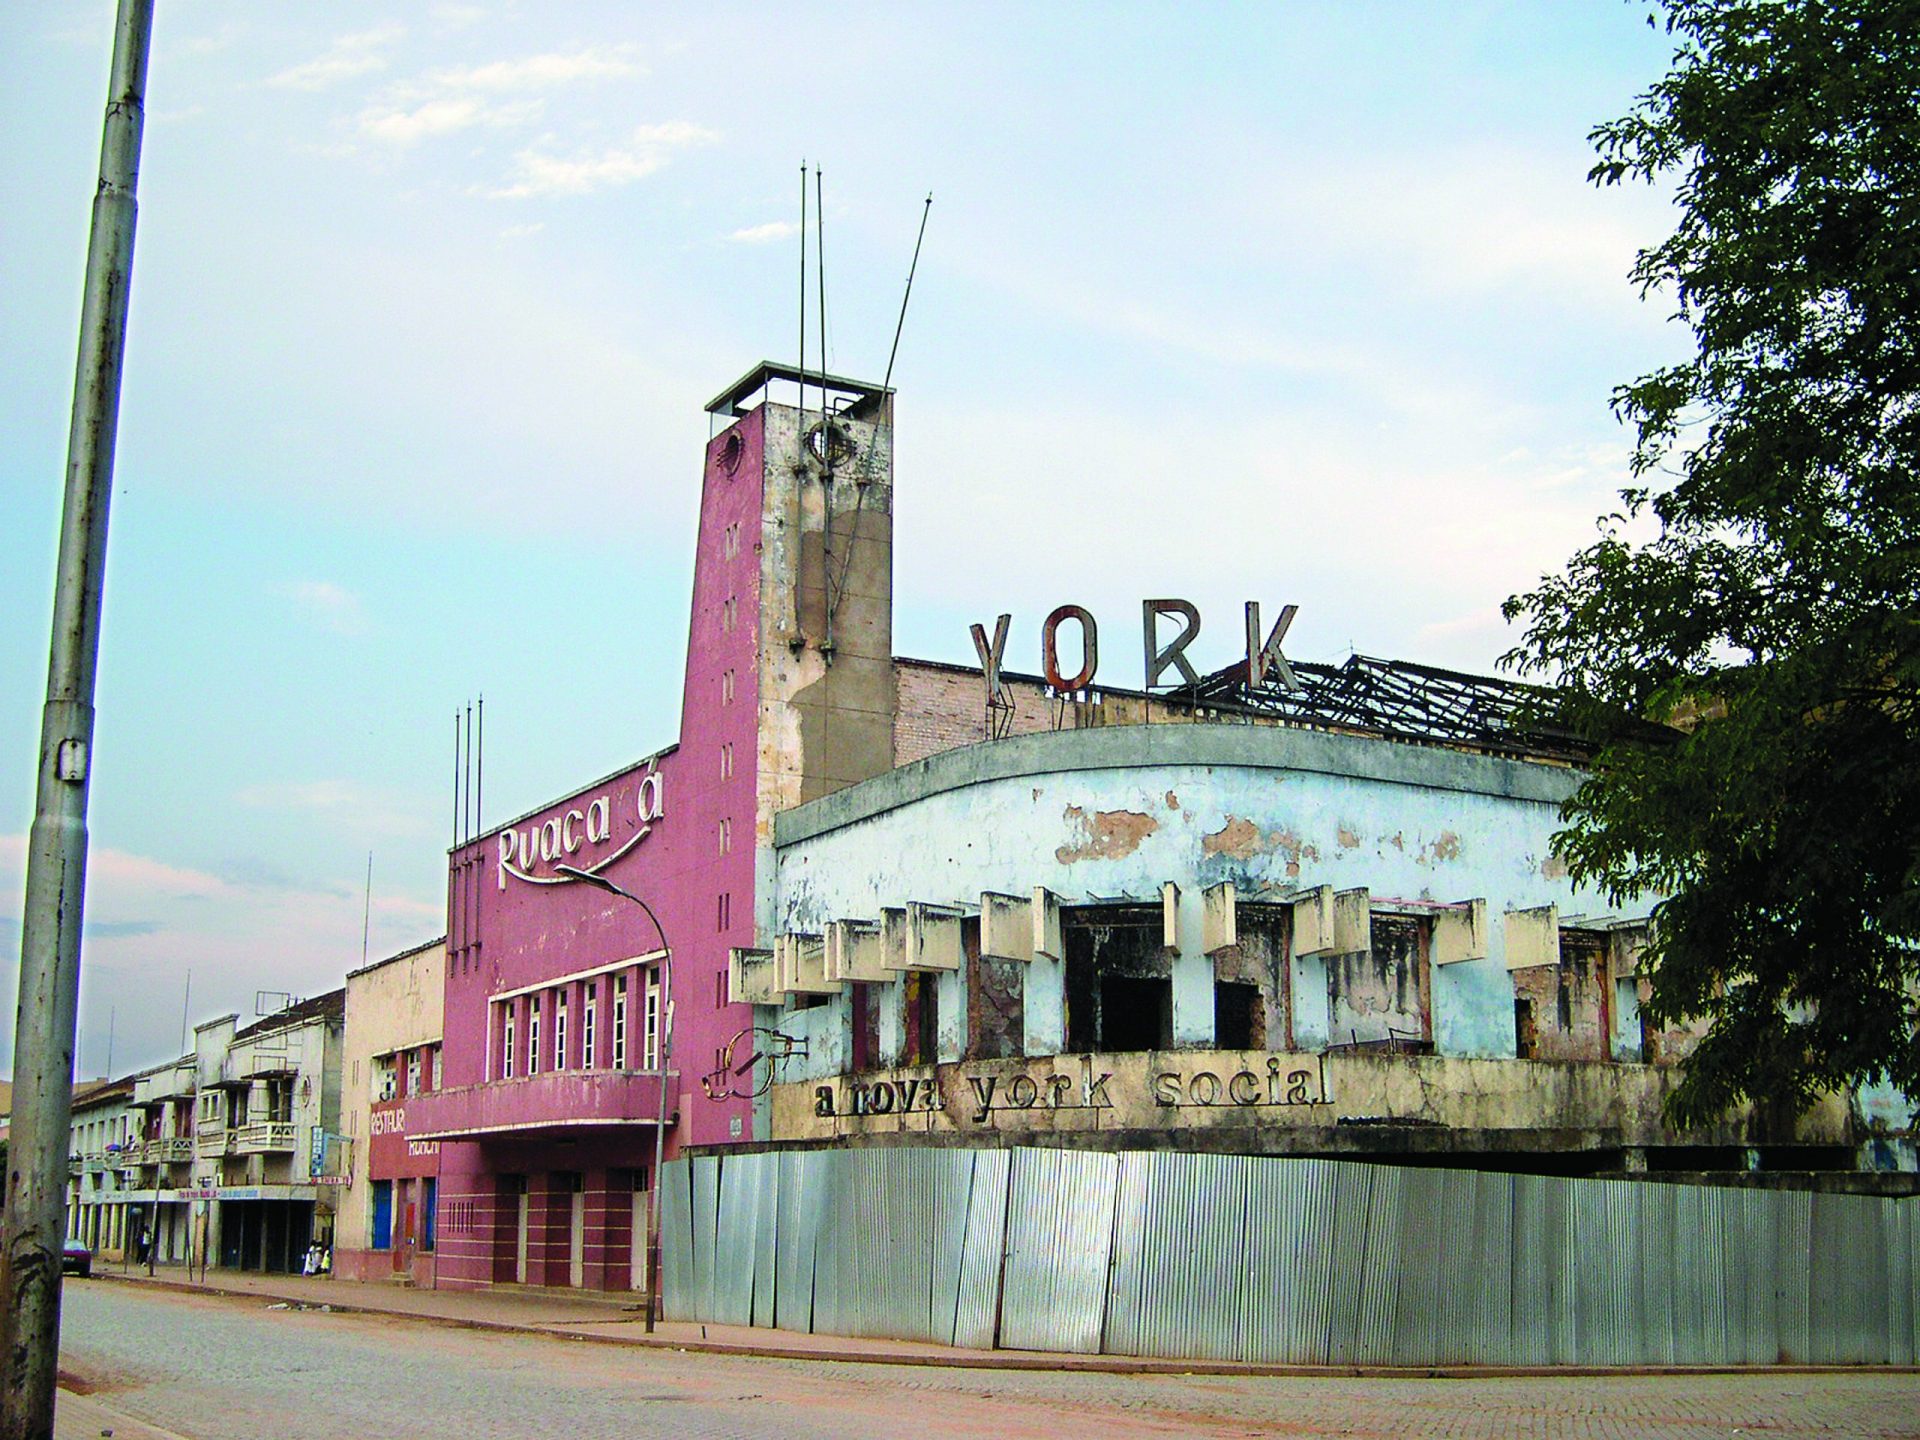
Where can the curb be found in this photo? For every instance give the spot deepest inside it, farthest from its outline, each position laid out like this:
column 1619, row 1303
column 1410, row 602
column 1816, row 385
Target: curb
column 1025, row 1360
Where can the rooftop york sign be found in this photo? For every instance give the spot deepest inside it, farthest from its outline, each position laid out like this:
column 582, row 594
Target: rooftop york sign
column 586, row 837
column 1264, row 657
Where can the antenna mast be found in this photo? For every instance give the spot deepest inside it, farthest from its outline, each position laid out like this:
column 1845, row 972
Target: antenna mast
column 900, row 325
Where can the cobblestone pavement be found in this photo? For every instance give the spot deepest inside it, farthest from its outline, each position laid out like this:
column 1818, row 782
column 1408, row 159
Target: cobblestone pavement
column 210, row 1367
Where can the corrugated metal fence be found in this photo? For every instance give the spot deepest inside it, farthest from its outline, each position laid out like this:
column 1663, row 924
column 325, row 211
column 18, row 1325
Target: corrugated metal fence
column 1313, row 1262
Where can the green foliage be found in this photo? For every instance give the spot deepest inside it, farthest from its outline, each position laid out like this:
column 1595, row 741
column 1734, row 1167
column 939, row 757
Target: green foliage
column 1759, row 594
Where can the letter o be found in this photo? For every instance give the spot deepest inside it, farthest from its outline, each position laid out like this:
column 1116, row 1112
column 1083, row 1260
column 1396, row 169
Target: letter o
column 1050, row 649
column 880, row 1099
column 1022, row 1091
column 1204, row 1094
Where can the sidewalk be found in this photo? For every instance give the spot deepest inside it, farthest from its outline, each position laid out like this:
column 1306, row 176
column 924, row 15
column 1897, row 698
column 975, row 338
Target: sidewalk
column 616, row 1320
column 607, row 1319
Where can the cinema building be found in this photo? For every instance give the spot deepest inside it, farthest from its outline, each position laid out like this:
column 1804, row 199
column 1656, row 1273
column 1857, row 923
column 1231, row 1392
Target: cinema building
column 1255, row 907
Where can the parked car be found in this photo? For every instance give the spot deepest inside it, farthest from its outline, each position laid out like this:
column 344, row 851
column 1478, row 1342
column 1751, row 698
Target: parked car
column 76, row 1259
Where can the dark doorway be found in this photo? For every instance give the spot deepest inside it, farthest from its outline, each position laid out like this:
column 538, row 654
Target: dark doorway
column 1119, row 979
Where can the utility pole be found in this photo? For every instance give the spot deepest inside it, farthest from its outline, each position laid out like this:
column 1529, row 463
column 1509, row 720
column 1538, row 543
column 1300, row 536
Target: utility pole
column 34, row 1222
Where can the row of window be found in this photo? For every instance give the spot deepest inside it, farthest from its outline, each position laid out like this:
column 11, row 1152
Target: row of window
column 267, row 1102
column 400, row 1073
column 1118, row 995
column 535, row 1031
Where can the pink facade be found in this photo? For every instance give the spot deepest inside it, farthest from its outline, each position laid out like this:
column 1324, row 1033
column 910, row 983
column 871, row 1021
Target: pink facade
column 551, row 1086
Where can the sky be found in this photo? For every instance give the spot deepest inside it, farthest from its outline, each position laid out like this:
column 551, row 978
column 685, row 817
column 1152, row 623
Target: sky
column 1306, row 303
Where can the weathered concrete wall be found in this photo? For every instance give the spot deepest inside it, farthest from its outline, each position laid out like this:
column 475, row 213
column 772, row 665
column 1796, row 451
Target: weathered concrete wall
column 1115, row 811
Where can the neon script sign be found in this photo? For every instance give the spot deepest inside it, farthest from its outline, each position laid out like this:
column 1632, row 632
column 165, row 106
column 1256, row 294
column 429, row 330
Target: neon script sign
column 534, row 853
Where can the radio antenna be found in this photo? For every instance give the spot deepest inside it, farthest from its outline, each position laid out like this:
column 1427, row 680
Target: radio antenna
column 820, row 235
column 899, row 325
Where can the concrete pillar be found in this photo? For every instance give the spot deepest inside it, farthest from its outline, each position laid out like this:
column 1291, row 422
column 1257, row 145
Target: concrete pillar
column 1192, row 976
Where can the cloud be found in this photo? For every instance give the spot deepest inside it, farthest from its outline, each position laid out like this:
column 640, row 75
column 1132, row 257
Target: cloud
column 761, row 234
column 443, row 116
column 458, row 15
column 352, row 807
column 110, row 870
column 328, row 606
column 521, row 232
column 543, row 72
column 121, row 929
column 348, row 56
column 650, row 148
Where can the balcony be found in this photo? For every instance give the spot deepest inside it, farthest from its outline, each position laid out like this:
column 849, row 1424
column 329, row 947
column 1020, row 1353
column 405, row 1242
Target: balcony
column 263, row 1138
column 170, row 1150
column 559, row 1101
column 212, row 1143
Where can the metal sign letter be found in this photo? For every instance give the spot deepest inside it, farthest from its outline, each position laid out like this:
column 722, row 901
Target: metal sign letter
column 991, row 658
column 1262, row 658
column 1050, row 650
column 1158, row 660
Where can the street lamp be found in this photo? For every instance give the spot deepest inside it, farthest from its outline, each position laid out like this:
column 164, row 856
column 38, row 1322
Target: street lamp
column 601, row 882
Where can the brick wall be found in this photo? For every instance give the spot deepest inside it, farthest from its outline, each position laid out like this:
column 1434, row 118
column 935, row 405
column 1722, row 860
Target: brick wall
column 942, row 707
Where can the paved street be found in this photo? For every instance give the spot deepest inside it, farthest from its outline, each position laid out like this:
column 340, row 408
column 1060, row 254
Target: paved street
column 209, row 1366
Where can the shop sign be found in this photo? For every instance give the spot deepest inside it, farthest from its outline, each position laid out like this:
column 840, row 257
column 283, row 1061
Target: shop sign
column 582, row 837
column 1154, row 1093
column 1264, row 657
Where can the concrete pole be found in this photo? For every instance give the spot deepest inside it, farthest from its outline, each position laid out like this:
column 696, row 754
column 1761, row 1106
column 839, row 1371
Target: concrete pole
column 57, row 848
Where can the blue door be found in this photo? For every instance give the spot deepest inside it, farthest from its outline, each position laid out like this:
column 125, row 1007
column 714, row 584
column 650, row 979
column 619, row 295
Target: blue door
column 382, row 1214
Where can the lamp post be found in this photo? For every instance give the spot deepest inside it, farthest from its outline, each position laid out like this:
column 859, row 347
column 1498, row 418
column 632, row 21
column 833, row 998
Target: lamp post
column 600, row 882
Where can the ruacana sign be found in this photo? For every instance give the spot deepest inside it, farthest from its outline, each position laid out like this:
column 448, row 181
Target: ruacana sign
column 591, row 832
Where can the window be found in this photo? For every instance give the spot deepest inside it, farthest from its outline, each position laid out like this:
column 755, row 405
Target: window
column 726, row 761
column 413, row 1072
column 1236, row 1005
column 506, row 1043
column 1119, row 979
column 383, row 1077
column 726, row 835
column 651, row 1041
column 1252, row 981
column 209, row 1108
column 726, row 687
column 922, row 1037
column 1564, row 1011
column 620, row 1023
column 996, row 1003
column 429, row 1203
column 560, row 1031
column 589, row 1006
column 723, row 911
column 533, row 1035
column 1379, row 998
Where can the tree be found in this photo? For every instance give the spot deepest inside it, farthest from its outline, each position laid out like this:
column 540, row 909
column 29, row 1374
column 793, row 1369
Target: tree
column 1756, row 600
